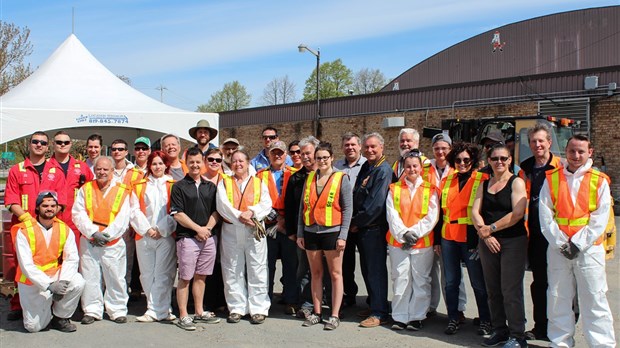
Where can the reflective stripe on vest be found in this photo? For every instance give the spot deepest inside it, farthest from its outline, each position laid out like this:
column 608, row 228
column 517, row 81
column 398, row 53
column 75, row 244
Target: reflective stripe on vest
column 241, row 201
column 571, row 217
column 267, row 179
column 411, row 210
column 323, row 210
column 44, row 257
column 476, row 178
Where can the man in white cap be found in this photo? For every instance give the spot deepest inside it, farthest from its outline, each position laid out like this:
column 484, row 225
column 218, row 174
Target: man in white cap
column 48, row 279
column 228, row 147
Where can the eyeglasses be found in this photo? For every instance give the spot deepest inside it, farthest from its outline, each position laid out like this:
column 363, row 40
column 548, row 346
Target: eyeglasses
column 499, row 158
column 140, row 148
column 462, row 160
column 37, row 142
column 270, row 137
column 213, row 159
column 60, row 142
column 294, row 152
column 323, row 158
column 119, row 149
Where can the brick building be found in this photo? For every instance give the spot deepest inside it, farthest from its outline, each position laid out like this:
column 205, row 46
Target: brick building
column 565, row 64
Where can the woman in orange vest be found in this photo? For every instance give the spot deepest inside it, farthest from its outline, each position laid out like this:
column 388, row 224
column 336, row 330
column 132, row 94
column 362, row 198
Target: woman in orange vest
column 155, row 245
column 458, row 235
column 325, row 214
column 412, row 209
column 497, row 214
column 242, row 202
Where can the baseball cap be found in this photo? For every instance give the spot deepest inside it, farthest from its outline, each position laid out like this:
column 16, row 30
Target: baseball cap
column 494, row 135
column 143, row 140
column 280, row 145
column 46, row 194
column 231, row 140
column 441, row 137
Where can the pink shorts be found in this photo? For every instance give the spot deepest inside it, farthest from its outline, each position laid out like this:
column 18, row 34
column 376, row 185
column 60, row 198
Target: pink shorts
column 196, row 257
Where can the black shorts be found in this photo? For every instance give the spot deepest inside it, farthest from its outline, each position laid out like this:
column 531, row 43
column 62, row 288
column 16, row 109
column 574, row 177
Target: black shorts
column 320, row 241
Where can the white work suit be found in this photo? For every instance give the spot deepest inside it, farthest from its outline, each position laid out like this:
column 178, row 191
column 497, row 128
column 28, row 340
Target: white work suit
column 129, row 236
column 156, row 257
column 410, row 269
column 240, row 251
column 586, row 271
column 107, row 261
column 438, row 281
column 35, row 299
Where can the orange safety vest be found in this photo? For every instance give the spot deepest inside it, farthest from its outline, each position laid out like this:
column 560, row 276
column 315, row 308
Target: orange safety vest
column 242, row 200
column 139, row 188
column 429, row 174
column 323, row 209
column 456, row 205
column 571, row 218
column 411, row 211
column 45, row 257
column 266, row 178
column 288, row 172
column 133, row 174
column 103, row 210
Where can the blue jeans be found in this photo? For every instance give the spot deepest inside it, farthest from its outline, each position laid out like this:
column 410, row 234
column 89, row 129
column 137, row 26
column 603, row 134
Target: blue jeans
column 372, row 246
column 283, row 248
column 453, row 253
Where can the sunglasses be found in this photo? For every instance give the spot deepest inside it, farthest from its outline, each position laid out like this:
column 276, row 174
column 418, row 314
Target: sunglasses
column 499, row 158
column 323, row 158
column 37, row 142
column 141, row 148
column 414, row 153
column 462, row 160
column 492, row 145
column 270, row 137
column 60, row 142
column 295, row 152
column 213, row 159
column 119, row 149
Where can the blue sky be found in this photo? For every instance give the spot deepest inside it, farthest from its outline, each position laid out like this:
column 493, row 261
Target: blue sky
column 194, row 47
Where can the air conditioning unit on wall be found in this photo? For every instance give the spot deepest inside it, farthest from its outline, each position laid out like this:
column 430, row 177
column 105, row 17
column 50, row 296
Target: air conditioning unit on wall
column 393, row 122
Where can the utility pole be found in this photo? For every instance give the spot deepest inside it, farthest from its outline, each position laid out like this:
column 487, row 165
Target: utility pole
column 161, row 88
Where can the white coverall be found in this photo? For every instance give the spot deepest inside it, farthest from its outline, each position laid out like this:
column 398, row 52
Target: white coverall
column 35, row 299
column 156, row 257
column 107, row 261
column 240, row 251
column 586, row 271
column 410, row 269
column 118, row 175
column 438, row 281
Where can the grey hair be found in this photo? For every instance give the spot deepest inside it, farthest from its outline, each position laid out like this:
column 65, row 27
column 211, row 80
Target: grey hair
column 170, row 135
column 376, row 135
column 539, row 126
column 309, row 140
column 416, row 135
column 103, row 158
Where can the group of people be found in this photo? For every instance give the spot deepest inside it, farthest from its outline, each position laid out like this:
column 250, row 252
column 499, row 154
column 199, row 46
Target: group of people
column 223, row 219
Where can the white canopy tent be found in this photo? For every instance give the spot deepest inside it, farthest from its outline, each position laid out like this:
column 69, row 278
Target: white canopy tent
column 73, row 91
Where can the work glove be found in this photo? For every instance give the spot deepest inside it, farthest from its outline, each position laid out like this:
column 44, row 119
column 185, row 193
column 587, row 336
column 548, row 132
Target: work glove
column 100, row 239
column 58, row 289
column 410, row 240
column 272, row 231
column 569, row 250
column 259, row 229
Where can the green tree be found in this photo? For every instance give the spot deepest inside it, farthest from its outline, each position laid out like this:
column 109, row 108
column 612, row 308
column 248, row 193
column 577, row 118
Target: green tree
column 14, row 47
column 335, row 81
column 233, row 96
column 368, row 81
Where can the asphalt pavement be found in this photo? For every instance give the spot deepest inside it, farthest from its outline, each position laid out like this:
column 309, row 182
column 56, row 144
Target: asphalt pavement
column 280, row 330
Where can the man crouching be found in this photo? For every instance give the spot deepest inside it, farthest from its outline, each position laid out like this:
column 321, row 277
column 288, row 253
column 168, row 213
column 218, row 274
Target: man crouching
column 48, row 280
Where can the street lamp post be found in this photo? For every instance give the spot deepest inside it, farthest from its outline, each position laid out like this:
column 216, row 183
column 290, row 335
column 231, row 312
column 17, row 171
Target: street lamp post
column 317, row 54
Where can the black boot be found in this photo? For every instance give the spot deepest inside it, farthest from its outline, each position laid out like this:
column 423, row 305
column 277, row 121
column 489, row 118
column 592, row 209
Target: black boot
column 62, row 324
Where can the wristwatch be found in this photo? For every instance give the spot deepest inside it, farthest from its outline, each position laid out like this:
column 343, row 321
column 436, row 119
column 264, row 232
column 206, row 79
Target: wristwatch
column 493, row 228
